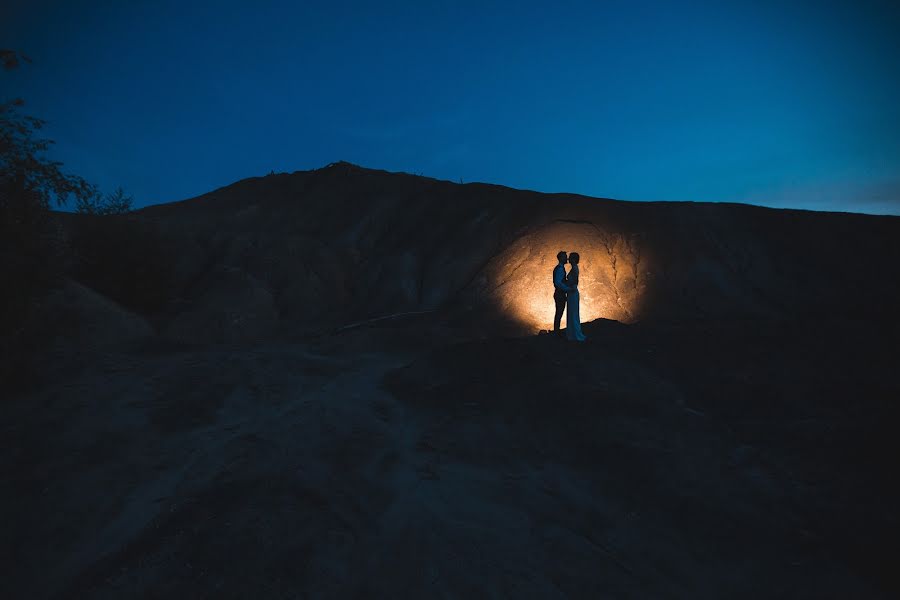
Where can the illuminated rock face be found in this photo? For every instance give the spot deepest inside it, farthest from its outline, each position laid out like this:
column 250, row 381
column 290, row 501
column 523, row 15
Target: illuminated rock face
column 302, row 253
column 519, row 280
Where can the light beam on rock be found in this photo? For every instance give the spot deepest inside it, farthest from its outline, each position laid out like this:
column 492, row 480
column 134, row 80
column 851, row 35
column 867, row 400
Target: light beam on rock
column 611, row 284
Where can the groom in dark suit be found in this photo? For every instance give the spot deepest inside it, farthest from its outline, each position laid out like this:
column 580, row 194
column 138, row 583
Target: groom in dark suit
column 560, row 289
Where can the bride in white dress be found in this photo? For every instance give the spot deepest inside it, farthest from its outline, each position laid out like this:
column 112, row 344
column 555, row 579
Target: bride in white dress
column 573, row 309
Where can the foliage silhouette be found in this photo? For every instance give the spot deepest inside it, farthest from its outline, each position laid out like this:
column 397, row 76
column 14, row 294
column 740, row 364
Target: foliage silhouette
column 33, row 253
column 116, row 203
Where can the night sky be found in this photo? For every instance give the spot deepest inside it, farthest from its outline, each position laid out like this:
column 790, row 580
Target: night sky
column 786, row 104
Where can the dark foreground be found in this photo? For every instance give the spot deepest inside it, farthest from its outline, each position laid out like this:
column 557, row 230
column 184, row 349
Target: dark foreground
column 684, row 460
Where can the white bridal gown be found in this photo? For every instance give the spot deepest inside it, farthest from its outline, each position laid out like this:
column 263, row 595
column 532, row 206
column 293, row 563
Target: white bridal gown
column 573, row 308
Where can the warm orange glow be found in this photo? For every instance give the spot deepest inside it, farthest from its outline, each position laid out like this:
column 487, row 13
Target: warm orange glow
column 611, row 285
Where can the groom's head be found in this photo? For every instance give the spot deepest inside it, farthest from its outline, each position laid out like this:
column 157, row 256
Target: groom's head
column 562, row 257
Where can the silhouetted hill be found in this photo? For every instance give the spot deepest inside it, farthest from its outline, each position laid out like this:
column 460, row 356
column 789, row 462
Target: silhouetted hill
column 310, row 250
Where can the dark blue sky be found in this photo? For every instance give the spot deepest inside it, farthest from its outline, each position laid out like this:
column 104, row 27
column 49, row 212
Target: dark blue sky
column 774, row 103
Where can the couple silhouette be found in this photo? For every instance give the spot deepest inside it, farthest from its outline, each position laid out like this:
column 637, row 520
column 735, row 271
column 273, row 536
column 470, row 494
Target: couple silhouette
column 566, row 296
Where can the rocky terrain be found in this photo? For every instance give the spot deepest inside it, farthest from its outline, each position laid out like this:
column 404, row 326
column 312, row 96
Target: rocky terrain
column 331, row 384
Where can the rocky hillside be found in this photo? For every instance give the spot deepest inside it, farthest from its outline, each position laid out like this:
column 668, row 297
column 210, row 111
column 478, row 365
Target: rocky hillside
column 204, row 423
column 308, row 251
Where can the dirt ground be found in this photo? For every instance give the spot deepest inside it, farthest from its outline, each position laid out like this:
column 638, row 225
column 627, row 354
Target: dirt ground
column 695, row 459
